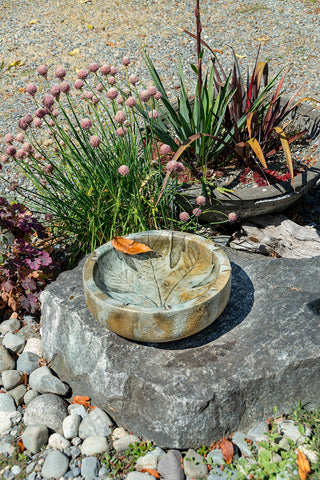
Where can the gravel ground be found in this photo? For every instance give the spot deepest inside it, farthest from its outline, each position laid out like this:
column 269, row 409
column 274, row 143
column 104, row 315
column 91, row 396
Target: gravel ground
column 74, row 33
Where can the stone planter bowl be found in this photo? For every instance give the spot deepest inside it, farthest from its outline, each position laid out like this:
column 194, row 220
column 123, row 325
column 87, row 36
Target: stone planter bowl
column 176, row 290
column 250, row 202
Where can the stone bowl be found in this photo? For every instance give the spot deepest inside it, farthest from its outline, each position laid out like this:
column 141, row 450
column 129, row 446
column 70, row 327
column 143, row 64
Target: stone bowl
column 176, row 290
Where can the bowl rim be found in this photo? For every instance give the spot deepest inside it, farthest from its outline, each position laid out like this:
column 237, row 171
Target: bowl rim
column 91, row 288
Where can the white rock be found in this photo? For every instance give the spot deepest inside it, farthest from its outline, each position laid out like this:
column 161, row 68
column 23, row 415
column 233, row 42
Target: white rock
column 14, row 342
column 29, row 396
column 123, row 443
column 8, row 420
column 311, row 454
column 77, row 409
column 96, row 423
column 9, row 325
column 11, row 379
column 119, row 432
column 150, row 459
column 58, row 442
column 71, row 425
column 94, row 444
column 7, row 404
column 34, row 345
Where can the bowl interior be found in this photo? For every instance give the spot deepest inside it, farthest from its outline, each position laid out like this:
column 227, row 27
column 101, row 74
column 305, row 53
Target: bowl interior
column 179, row 268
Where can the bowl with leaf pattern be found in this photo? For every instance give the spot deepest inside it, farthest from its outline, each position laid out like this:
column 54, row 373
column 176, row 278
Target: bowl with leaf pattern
column 176, row 288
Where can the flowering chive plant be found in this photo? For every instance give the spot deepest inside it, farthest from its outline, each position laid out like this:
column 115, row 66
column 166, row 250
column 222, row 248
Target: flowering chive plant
column 96, row 173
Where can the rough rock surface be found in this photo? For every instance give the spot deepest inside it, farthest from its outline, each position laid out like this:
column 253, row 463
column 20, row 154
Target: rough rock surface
column 262, row 351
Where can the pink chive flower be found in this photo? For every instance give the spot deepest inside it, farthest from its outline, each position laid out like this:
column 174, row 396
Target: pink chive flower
column 23, row 124
column 95, row 100
column 144, row 96
column 64, row 87
column 51, row 123
column 94, row 141
column 48, row 217
column 133, row 79
column 78, row 84
column 112, row 93
column 152, row 90
column 196, row 212
column 49, row 168
column 201, row 200
column 48, row 101
column 113, row 71
column 41, row 112
column 20, row 137
column 111, row 80
column 125, row 61
column 174, row 166
column 86, row 123
column 20, row 153
column 31, row 89
column 55, row 112
column 60, row 73
column 93, row 67
column 123, row 170
column 105, row 69
column 184, row 216
column 131, row 102
column 120, row 117
column 157, row 95
column 28, row 118
column 99, row 87
column 122, row 131
column 37, row 122
column 232, row 216
column 9, row 138
column 120, row 100
column 82, row 74
column 87, row 94
column 165, row 149
column 55, row 91
column 13, row 186
column 43, row 70
column 10, row 151
column 154, row 114
column 27, row 147
column 4, row 159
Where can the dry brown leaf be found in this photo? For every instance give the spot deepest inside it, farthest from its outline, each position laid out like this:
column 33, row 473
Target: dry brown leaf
column 227, row 450
column 24, row 378
column 303, row 465
column 110, row 44
column 20, row 446
column 151, row 471
column 82, row 400
column 129, row 246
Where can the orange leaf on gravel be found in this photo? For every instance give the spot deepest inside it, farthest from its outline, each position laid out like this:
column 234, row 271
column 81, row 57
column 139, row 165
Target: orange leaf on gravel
column 227, row 450
column 82, row 400
column 151, row 471
column 303, row 465
column 129, row 246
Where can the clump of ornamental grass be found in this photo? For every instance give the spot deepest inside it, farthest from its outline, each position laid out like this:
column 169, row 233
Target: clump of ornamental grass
column 96, row 174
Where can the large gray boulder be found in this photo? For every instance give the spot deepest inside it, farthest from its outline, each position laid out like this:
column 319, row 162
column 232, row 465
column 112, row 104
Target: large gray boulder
column 261, row 352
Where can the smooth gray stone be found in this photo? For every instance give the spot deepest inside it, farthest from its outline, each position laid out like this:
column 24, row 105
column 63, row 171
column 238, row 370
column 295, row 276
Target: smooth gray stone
column 18, row 393
column 8, row 420
column 71, row 425
column 34, row 437
column 77, row 409
column 214, row 382
column 7, row 403
column 194, row 465
column 90, row 467
column 14, row 342
column 47, row 409
column 6, row 361
column 150, row 459
column 122, row 444
column 96, row 423
column 27, row 362
column 170, row 466
column 245, row 449
column 216, row 457
column 55, row 465
column 138, row 476
column 43, row 381
column 290, row 430
column 29, row 396
column 258, row 432
column 6, row 447
column 94, row 444
column 11, row 379
column 9, row 325
column 58, row 442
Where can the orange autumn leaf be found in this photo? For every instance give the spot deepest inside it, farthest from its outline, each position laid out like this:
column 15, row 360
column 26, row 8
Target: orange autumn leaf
column 151, row 471
column 24, row 378
column 20, row 446
column 303, row 465
column 129, row 246
column 227, row 450
column 82, row 400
